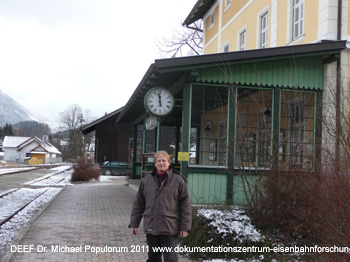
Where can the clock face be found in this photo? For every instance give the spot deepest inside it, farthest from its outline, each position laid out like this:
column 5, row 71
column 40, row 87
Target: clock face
column 159, row 101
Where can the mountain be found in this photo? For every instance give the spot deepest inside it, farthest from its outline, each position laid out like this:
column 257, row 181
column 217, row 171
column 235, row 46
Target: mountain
column 12, row 112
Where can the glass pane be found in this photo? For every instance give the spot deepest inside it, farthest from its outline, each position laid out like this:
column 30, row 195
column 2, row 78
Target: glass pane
column 208, row 125
column 297, row 130
column 139, row 144
column 253, row 128
column 167, row 140
column 150, row 141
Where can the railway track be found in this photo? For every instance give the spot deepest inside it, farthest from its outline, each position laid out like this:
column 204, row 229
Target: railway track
column 9, row 217
column 12, row 202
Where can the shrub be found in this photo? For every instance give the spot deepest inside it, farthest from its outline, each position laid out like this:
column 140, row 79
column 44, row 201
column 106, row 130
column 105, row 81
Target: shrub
column 84, row 170
column 312, row 208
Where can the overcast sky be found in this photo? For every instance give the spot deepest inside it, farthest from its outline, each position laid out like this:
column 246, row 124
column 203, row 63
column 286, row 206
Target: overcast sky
column 93, row 53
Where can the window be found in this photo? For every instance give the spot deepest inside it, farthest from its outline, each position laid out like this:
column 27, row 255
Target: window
column 297, row 130
column 131, row 143
column 208, row 140
column 226, row 48
column 227, row 3
column 167, row 140
column 242, row 40
column 212, row 19
column 253, row 128
column 139, row 143
column 298, row 18
column 264, row 31
column 150, row 138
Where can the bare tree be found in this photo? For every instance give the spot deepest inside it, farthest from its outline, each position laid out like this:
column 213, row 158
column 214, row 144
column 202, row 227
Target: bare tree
column 184, row 42
column 72, row 119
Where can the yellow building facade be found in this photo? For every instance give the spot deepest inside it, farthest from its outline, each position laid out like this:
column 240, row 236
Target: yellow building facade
column 236, row 25
column 285, row 22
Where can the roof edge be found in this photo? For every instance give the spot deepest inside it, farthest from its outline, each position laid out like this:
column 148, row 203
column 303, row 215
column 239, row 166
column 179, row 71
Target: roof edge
column 140, row 86
column 325, row 46
column 86, row 129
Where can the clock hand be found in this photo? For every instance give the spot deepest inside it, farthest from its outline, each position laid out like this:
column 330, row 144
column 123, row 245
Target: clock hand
column 160, row 99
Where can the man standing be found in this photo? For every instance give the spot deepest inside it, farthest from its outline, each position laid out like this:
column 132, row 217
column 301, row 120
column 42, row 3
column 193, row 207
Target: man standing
column 164, row 203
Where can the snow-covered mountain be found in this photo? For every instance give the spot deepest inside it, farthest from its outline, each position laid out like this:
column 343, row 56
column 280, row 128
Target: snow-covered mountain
column 12, row 112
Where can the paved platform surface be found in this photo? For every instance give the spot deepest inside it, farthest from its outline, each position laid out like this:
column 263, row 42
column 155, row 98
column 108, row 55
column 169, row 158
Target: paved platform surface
column 94, row 215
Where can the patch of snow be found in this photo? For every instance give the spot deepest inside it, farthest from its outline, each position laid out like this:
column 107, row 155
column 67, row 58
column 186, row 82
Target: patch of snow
column 114, row 179
column 53, row 179
column 61, row 179
column 14, row 170
column 15, row 200
column 233, row 222
column 4, row 192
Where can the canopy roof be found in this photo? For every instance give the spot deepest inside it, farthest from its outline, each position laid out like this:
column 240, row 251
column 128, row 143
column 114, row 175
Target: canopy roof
column 174, row 72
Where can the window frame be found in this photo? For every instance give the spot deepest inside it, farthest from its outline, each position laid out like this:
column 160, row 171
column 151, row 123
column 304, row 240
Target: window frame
column 298, row 8
column 264, row 31
column 297, row 138
column 242, row 45
column 209, row 150
column 226, row 46
column 211, row 19
column 253, row 130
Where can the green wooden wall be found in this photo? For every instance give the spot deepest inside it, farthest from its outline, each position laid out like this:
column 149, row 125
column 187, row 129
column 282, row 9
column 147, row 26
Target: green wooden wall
column 207, row 188
column 304, row 73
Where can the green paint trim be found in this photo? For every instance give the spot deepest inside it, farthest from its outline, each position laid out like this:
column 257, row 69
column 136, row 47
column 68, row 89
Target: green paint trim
column 134, row 156
column 276, row 113
column 157, row 137
column 318, row 129
column 231, row 138
column 186, row 124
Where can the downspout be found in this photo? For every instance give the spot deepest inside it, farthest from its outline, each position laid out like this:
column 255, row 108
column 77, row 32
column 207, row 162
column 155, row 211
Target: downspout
column 338, row 91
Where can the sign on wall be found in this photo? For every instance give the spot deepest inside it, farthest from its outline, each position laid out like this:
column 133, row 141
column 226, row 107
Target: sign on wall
column 183, row 156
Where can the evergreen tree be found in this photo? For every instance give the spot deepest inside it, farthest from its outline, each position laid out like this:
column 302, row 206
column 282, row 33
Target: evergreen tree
column 8, row 130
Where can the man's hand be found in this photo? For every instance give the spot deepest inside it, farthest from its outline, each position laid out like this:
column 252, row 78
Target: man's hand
column 183, row 234
column 134, row 230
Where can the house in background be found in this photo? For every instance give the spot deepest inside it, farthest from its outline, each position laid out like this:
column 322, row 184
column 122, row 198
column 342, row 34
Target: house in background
column 22, row 149
column 113, row 141
column 1, row 152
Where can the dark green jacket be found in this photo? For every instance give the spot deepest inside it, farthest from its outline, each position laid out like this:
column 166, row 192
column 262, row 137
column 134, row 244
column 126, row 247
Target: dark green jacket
column 166, row 210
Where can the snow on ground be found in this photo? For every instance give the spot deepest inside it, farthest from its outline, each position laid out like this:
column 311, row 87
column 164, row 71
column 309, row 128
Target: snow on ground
column 14, row 170
column 59, row 178
column 9, row 170
column 15, row 200
column 121, row 179
column 232, row 222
